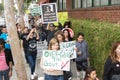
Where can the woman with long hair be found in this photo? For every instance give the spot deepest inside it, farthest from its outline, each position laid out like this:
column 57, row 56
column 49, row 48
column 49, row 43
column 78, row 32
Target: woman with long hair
column 112, row 64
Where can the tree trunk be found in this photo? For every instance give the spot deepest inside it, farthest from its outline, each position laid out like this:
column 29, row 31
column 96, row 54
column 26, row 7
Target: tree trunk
column 14, row 41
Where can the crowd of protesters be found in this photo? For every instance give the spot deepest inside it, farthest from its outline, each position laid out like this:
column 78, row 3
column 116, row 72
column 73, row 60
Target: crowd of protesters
column 36, row 31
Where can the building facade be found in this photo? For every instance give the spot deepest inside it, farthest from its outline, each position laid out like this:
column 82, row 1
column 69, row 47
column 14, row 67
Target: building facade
column 102, row 10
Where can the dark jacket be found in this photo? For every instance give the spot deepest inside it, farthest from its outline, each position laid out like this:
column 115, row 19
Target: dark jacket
column 8, row 56
column 111, row 69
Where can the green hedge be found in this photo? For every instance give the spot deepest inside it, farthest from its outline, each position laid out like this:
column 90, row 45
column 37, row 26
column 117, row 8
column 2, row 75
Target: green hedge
column 100, row 36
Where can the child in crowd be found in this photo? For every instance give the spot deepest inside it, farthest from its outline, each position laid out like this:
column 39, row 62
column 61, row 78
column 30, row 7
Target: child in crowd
column 82, row 54
column 51, row 74
column 91, row 74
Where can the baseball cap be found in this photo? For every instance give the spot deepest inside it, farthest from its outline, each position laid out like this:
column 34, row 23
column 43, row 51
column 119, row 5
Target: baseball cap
column 52, row 25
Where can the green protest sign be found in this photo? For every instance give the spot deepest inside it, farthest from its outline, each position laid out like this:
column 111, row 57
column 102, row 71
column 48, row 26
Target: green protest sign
column 35, row 9
column 70, row 47
column 58, row 60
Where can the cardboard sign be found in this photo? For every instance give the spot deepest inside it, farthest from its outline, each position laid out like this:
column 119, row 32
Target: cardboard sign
column 35, row 9
column 58, row 60
column 41, row 45
column 69, row 47
column 49, row 13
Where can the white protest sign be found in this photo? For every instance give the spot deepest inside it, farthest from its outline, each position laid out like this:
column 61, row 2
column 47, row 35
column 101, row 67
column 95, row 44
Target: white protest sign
column 58, row 60
column 41, row 45
column 49, row 13
column 26, row 19
column 69, row 47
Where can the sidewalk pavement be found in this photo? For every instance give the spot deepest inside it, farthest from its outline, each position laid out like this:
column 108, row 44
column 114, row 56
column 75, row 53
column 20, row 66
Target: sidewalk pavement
column 40, row 74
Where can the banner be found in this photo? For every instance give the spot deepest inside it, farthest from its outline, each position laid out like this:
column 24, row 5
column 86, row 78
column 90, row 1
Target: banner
column 58, row 60
column 69, row 47
column 49, row 13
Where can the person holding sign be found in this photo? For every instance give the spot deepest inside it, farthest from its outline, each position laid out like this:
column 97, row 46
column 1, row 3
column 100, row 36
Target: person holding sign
column 67, row 74
column 52, row 74
column 82, row 54
column 66, row 33
column 32, row 39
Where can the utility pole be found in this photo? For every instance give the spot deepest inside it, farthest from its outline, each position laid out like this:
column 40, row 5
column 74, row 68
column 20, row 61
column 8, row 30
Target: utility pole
column 19, row 61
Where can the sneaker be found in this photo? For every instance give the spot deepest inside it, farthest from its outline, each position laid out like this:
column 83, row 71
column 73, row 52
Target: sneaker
column 78, row 74
column 32, row 77
column 70, row 78
column 35, row 76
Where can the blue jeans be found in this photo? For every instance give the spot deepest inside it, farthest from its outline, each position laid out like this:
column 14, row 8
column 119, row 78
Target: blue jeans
column 4, row 74
column 51, row 77
column 32, row 61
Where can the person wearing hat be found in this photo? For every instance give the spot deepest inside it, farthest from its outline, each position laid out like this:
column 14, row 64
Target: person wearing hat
column 6, row 61
column 50, row 32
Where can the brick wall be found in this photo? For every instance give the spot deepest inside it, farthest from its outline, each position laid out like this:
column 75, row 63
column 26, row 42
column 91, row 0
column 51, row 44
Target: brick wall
column 105, row 13
column 108, row 13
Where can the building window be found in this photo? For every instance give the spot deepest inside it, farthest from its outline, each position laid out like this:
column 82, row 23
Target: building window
column 93, row 3
column 115, row 1
column 61, row 4
column 89, row 3
column 96, row 2
column 84, row 4
column 104, row 2
column 76, row 3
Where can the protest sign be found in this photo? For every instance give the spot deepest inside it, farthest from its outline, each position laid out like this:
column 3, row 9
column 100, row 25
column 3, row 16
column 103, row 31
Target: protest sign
column 49, row 13
column 62, row 17
column 41, row 45
column 69, row 47
column 26, row 19
column 58, row 60
column 35, row 9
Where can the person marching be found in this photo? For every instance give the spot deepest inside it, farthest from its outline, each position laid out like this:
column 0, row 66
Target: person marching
column 32, row 39
column 82, row 54
column 6, row 61
column 52, row 74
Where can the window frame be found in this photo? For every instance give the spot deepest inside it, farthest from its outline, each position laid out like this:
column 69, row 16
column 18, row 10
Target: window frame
column 61, row 4
column 109, row 3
